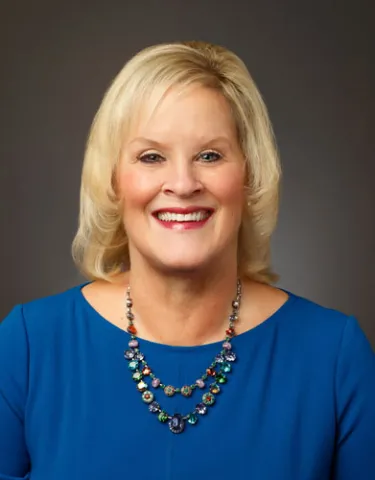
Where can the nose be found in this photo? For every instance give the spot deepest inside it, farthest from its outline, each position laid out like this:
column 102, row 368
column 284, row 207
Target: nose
column 182, row 179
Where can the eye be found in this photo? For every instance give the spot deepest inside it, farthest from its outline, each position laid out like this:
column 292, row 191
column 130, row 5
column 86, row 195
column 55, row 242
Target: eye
column 151, row 157
column 210, row 156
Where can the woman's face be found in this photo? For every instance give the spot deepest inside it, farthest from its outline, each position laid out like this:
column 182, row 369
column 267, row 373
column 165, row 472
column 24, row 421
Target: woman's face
column 181, row 178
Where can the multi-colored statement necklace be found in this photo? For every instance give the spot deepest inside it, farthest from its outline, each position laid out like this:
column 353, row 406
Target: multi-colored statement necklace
column 211, row 381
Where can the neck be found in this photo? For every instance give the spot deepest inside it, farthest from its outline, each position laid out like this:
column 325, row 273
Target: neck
column 182, row 309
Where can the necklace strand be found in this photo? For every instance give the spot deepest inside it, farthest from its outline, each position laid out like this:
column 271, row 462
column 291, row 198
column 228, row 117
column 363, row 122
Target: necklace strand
column 216, row 373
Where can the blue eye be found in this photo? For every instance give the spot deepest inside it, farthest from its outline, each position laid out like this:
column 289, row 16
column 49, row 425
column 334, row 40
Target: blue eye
column 210, row 156
column 150, row 158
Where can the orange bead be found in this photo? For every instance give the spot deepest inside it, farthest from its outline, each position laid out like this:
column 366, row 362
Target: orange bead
column 132, row 329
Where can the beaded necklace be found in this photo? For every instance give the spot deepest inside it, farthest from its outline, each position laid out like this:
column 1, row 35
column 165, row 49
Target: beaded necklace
column 216, row 373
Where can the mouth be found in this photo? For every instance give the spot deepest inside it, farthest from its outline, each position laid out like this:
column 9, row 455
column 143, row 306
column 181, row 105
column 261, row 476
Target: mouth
column 183, row 217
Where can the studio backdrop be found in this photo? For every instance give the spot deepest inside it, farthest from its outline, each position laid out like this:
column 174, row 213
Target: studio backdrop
column 312, row 62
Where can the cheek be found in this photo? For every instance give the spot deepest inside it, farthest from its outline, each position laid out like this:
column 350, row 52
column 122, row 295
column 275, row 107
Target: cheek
column 136, row 189
column 229, row 189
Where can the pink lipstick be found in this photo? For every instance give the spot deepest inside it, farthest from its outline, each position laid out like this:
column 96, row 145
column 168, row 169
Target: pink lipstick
column 188, row 218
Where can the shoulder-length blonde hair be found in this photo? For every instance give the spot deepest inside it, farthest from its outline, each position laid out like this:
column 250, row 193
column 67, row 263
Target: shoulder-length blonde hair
column 100, row 247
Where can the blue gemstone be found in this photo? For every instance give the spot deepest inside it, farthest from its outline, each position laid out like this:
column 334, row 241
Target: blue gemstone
column 129, row 354
column 193, row 419
column 176, row 423
column 230, row 357
column 226, row 367
column 139, row 356
column 133, row 365
column 154, row 407
column 201, row 409
column 220, row 358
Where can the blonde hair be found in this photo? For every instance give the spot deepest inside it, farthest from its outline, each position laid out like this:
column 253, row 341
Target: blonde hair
column 100, row 247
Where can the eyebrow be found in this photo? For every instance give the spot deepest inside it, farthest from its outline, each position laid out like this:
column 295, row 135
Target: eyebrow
column 149, row 141
column 204, row 142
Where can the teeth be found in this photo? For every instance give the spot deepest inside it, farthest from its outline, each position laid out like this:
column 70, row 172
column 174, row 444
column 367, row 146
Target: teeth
column 180, row 217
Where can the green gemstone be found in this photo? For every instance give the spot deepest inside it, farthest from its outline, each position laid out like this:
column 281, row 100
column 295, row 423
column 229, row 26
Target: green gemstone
column 226, row 367
column 137, row 376
column 147, row 396
column 221, row 378
column 193, row 418
column 169, row 390
column 133, row 365
column 142, row 386
column 186, row 391
column 215, row 389
column 162, row 417
column 208, row 399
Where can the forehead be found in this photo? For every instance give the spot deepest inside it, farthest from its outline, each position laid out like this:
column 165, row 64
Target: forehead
column 182, row 110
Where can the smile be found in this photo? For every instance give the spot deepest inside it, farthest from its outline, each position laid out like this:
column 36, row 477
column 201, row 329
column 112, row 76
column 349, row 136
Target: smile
column 183, row 218
column 180, row 217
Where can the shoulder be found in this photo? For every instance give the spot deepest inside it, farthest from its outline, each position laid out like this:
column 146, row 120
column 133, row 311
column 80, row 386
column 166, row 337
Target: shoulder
column 36, row 333
column 322, row 340
column 323, row 329
column 313, row 315
column 294, row 313
column 313, row 312
column 41, row 312
column 305, row 324
column 51, row 302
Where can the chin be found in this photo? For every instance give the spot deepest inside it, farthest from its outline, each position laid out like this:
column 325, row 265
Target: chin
column 181, row 259
column 180, row 264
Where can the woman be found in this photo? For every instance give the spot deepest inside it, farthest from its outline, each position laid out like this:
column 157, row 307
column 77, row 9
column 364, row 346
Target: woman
column 178, row 358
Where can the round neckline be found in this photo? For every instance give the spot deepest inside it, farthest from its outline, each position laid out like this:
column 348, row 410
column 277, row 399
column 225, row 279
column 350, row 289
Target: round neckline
column 267, row 323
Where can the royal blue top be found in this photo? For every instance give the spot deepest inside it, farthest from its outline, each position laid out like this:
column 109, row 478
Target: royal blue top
column 299, row 403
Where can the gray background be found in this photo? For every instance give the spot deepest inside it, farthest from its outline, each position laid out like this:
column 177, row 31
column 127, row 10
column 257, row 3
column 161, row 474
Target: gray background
column 311, row 61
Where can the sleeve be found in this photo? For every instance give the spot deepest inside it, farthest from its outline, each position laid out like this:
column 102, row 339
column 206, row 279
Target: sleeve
column 355, row 406
column 14, row 458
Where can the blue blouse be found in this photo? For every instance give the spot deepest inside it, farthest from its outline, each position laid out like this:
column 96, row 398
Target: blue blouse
column 299, row 403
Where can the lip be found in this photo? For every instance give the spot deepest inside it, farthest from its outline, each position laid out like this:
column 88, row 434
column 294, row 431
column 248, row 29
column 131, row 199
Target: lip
column 182, row 226
column 183, row 210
